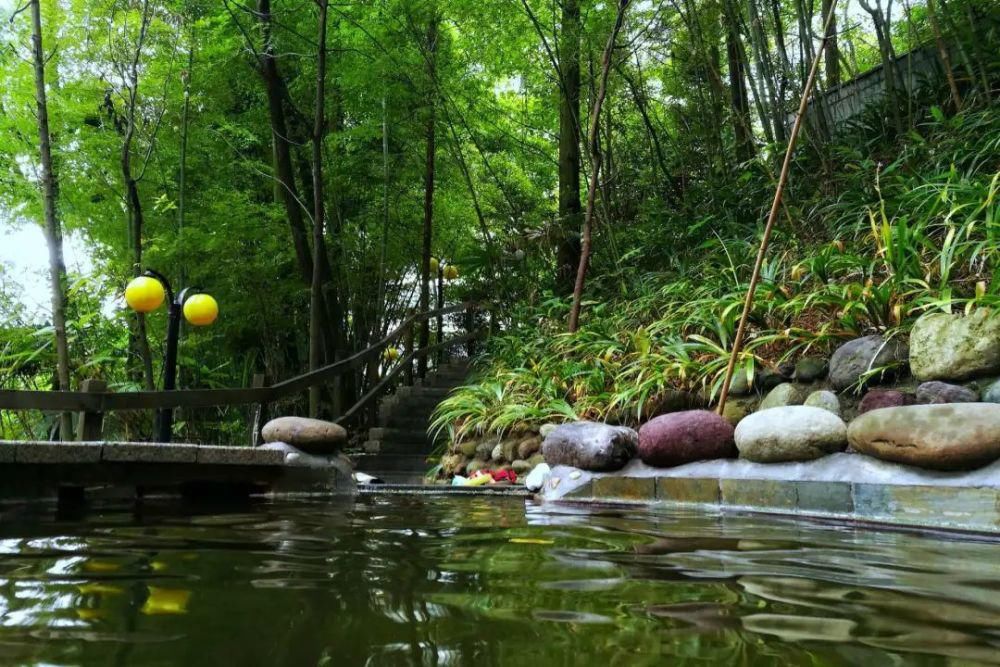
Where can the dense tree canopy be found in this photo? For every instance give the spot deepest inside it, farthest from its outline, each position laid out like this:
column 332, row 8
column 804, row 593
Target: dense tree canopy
column 188, row 137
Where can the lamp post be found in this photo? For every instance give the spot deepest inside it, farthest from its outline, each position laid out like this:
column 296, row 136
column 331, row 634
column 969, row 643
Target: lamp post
column 145, row 294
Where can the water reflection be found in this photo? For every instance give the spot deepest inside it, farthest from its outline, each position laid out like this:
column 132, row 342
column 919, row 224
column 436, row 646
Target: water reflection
column 438, row 581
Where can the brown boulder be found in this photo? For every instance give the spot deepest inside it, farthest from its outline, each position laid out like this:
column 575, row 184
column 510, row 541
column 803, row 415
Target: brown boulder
column 952, row 436
column 313, row 436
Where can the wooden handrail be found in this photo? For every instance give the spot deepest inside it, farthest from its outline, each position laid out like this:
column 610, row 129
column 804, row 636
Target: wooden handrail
column 82, row 401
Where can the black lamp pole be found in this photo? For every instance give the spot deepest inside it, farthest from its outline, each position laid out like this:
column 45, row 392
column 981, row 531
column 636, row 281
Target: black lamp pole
column 175, row 306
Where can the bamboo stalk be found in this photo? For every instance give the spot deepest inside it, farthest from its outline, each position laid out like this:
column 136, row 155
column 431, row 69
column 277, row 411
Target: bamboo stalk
column 773, row 215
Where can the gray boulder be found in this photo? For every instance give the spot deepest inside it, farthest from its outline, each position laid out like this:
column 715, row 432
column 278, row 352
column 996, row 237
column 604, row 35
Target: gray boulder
column 942, row 392
column 782, row 395
column 810, row 369
column 855, row 358
column 955, row 436
column 955, row 347
column 992, row 393
column 791, row 433
column 313, row 436
column 590, row 446
column 824, row 399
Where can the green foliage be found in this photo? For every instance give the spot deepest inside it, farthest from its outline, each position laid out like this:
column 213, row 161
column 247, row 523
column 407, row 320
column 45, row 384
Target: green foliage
column 924, row 236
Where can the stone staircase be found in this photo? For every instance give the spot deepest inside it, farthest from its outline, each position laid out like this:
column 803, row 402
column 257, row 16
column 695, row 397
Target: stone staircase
column 397, row 449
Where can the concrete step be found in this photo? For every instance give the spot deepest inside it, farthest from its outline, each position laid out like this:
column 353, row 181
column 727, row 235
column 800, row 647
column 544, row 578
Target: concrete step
column 423, row 392
column 404, row 421
column 395, row 477
column 386, row 434
column 379, row 447
column 392, row 463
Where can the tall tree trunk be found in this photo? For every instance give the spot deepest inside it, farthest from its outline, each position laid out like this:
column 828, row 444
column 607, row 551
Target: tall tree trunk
column 883, row 36
column 942, row 50
column 568, row 251
column 53, row 227
column 316, row 303
column 428, row 231
column 742, row 130
column 274, row 86
column 595, row 166
column 832, row 50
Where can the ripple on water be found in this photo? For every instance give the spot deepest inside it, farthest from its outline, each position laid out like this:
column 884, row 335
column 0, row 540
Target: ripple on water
column 433, row 580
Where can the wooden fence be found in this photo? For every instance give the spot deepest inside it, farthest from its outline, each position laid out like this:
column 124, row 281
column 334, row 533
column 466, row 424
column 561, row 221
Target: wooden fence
column 94, row 400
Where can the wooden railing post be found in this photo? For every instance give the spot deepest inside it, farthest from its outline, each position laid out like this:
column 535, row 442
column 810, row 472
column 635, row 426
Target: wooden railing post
column 258, row 415
column 469, row 323
column 408, row 338
column 90, row 425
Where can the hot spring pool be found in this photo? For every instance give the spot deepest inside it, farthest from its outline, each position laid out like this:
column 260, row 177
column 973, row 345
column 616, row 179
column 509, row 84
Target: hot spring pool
column 425, row 580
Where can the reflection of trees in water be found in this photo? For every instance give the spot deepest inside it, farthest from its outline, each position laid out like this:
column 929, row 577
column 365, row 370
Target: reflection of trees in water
column 435, row 581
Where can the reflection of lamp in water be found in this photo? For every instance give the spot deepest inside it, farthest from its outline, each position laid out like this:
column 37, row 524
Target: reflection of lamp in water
column 145, row 294
column 166, row 601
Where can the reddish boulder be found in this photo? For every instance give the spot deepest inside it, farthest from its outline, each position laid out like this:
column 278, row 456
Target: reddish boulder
column 884, row 398
column 682, row 437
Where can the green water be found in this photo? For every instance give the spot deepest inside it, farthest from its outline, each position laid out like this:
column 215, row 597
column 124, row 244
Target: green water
column 405, row 580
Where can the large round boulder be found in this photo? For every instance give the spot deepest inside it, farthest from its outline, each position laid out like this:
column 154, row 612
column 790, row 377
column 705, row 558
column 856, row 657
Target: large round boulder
column 955, row 347
column 942, row 392
column 856, row 358
column 791, row 433
column 953, row 436
column 683, row 437
column 590, row 446
column 313, row 436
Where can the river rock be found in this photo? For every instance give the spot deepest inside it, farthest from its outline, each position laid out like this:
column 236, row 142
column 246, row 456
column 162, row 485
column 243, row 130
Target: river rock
column 313, row 436
column 546, row 429
column 590, row 446
column 782, row 395
column 955, row 436
column 884, row 398
column 682, row 437
column 468, row 448
column 790, row 433
column 855, row 358
column 736, row 410
column 824, row 399
column 520, row 466
column 529, row 446
column 942, row 392
column 955, row 347
column 452, row 464
column 497, row 453
column 739, row 385
column 992, row 393
column 770, row 377
column 810, row 369
column 476, row 464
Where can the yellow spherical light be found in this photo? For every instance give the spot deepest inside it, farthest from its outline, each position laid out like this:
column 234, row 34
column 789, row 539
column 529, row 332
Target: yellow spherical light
column 201, row 310
column 144, row 294
column 451, row 272
column 434, row 266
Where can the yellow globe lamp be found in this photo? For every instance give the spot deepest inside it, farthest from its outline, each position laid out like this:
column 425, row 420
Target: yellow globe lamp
column 144, row 294
column 391, row 354
column 450, row 272
column 201, row 310
column 434, row 266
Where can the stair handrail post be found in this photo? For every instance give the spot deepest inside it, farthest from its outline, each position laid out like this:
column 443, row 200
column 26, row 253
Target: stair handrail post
column 408, row 348
column 258, row 413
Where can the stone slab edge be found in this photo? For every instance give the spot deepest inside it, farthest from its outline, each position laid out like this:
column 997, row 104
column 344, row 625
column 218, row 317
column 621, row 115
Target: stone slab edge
column 946, row 507
column 135, row 452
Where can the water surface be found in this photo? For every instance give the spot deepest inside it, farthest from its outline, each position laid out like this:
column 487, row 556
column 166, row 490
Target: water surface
column 423, row 580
